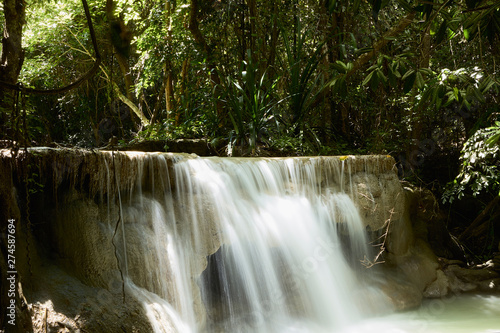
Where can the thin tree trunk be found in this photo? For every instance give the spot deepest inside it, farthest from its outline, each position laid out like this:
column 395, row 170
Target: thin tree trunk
column 169, row 87
column 183, row 90
column 169, row 90
column 425, row 49
column 11, row 59
column 252, row 32
column 274, row 39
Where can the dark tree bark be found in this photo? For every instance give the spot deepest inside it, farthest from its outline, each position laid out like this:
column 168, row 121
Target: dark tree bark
column 12, row 58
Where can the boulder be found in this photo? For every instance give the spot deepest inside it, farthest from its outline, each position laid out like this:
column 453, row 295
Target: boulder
column 403, row 294
column 439, row 287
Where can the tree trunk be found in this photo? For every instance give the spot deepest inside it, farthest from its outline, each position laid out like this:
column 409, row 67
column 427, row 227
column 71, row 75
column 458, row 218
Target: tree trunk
column 169, row 76
column 169, row 90
column 252, row 32
column 274, row 40
column 121, row 38
column 12, row 59
column 425, row 49
column 183, row 90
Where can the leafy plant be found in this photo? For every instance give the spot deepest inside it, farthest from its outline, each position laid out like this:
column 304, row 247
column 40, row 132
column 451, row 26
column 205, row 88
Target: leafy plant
column 480, row 171
column 251, row 103
column 302, row 84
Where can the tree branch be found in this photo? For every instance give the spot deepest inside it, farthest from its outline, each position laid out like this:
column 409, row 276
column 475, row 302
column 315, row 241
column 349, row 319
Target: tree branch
column 386, row 38
column 131, row 105
column 75, row 84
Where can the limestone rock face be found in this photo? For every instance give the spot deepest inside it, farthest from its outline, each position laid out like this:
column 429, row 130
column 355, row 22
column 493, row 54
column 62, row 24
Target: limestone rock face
column 409, row 252
column 379, row 197
column 91, row 226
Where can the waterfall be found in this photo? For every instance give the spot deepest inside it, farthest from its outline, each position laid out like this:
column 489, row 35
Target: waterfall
column 247, row 245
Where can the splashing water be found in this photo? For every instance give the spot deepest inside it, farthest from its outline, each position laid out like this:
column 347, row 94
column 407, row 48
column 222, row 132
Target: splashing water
column 248, row 245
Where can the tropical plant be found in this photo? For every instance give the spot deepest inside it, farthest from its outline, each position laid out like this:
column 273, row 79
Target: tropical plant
column 480, row 170
column 252, row 102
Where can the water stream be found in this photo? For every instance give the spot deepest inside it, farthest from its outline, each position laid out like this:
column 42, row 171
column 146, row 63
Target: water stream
column 269, row 245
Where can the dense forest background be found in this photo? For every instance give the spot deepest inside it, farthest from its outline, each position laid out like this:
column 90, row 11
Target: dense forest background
column 416, row 79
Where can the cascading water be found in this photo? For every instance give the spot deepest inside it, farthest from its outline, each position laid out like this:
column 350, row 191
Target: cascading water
column 283, row 237
column 164, row 242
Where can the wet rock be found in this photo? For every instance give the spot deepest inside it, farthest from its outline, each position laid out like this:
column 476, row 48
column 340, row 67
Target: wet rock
column 472, row 275
column 439, row 287
column 457, row 285
column 403, row 294
column 419, row 265
column 62, row 303
column 429, row 224
column 200, row 147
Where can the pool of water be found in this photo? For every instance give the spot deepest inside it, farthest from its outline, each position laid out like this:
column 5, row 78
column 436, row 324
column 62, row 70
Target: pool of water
column 459, row 314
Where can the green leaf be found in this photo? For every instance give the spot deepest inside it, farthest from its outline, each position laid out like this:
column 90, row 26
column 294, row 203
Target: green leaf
column 377, row 4
column 486, row 84
column 426, row 71
column 409, row 81
column 355, row 6
column 408, row 73
column 374, row 81
column 381, row 76
column 406, row 6
column 456, row 93
column 478, row 95
column 492, row 140
column 340, row 66
column 331, row 4
column 339, row 85
column 363, row 50
column 441, row 90
column 392, row 76
column 419, row 80
column 441, row 32
column 368, row 78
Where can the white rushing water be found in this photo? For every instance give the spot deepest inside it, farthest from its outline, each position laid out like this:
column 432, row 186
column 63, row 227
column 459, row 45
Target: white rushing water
column 269, row 245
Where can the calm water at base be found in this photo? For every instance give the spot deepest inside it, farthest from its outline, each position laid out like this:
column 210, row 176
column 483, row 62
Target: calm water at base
column 461, row 314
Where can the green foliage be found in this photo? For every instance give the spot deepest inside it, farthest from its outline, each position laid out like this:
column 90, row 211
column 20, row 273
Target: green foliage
column 252, row 103
column 264, row 69
column 302, row 84
column 480, row 171
column 461, row 86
